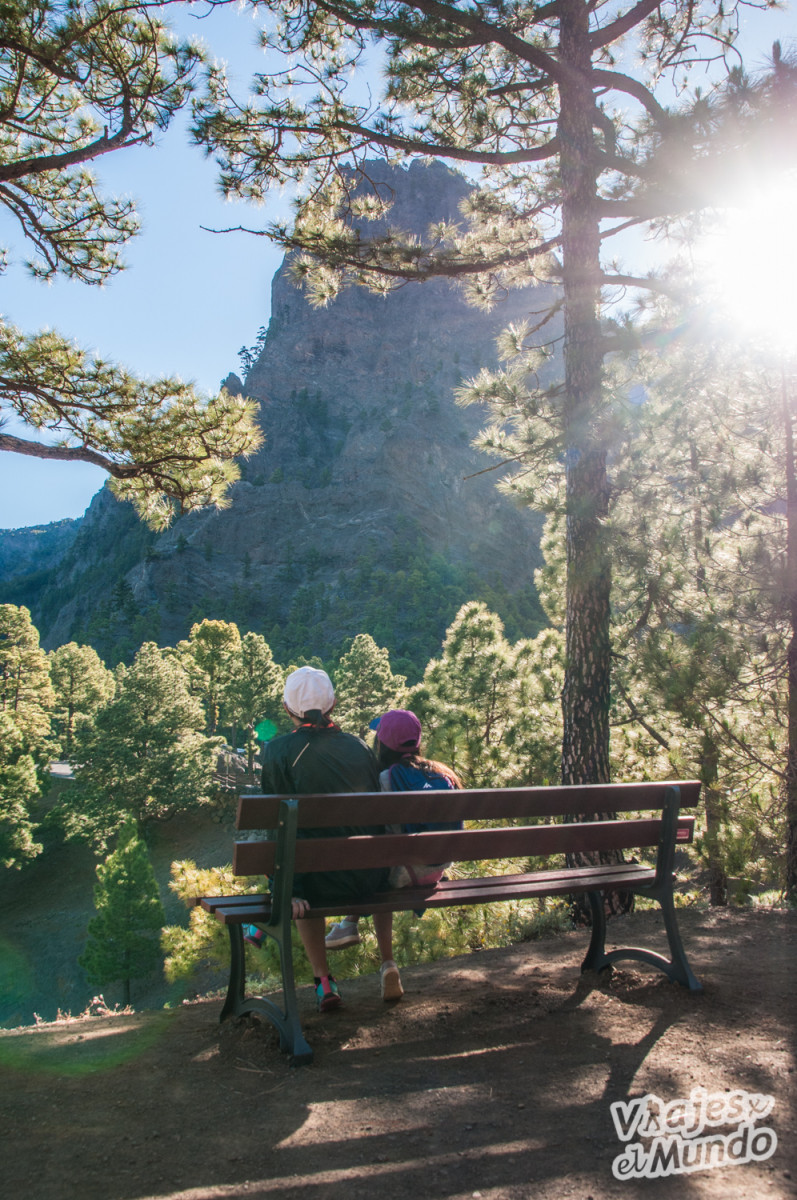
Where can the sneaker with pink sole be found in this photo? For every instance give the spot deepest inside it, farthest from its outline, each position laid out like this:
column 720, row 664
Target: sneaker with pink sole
column 327, row 994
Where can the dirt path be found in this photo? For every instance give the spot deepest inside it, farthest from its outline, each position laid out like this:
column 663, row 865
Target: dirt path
column 492, row 1079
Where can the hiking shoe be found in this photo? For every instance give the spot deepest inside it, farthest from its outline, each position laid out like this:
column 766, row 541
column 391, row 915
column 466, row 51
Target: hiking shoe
column 254, row 936
column 341, row 934
column 390, row 981
column 327, row 994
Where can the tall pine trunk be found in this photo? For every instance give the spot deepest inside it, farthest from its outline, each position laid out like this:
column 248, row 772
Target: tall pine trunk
column 709, row 775
column 585, row 697
column 126, row 980
column 709, row 750
column 250, row 750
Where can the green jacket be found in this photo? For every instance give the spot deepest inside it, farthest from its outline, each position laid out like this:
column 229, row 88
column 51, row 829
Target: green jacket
column 313, row 760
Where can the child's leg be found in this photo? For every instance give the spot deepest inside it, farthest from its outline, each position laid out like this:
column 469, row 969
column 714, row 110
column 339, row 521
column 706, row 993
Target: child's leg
column 388, row 973
column 311, row 931
column 383, row 928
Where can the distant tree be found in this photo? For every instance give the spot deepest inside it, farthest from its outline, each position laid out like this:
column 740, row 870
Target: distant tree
column 254, row 688
column 123, row 938
column 533, row 737
column 26, row 698
column 489, row 708
column 78, row 82
column 248, row 357
column 464, row 698
column 19, row 790
column 209, row 655
column 365, row 686
column 25, row 688
column 82, row 685
column 145, row 757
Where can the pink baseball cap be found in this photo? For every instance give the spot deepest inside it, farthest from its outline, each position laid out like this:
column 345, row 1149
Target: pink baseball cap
column 399, row 729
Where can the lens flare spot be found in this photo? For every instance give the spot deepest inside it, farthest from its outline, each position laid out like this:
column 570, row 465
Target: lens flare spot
column 749, row 263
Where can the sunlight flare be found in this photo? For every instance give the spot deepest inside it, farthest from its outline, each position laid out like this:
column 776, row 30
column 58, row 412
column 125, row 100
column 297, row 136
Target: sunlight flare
column 749, row 263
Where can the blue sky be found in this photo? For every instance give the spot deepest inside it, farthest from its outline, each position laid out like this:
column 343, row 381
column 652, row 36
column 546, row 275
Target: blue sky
column 187, row 302
column 189, row 299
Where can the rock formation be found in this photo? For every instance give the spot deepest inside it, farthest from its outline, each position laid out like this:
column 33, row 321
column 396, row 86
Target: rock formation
column 362, row 512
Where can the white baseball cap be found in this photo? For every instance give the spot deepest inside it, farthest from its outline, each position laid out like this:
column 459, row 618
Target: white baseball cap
column 307, row 689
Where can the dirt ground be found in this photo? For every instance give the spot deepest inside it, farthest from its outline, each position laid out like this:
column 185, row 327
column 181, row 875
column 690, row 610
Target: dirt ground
column 493, row 1078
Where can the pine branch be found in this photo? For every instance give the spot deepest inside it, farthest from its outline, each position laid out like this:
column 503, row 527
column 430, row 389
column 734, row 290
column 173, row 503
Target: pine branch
column 632, row 87
column 546, row 64
column 22, row 168
column 639, row 719
column 66, row 454
column 623, row 25
column 651, row 283
column 435, row 150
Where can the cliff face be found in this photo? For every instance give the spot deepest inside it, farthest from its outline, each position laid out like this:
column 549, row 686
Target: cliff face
column 358, row 514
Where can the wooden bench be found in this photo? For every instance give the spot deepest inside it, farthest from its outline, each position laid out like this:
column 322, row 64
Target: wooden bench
column 536, row 822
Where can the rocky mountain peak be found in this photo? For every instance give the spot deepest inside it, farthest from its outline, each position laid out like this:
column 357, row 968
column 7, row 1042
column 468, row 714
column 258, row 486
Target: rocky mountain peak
column 363, row 512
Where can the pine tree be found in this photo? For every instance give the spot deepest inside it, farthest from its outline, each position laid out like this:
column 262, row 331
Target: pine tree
column 210, row 656
column 146, row 755
column 365, row 686
column 78, row 82
column 702, row 549
column 254, row 688
column 123, row 941
column 26, row 746
column 534, row 735
column 82, row 685
column 489, row 708
column 464, row 698
column 19, row 790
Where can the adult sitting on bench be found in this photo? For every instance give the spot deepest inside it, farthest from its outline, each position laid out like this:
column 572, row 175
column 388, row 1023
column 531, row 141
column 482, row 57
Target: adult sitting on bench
column 318, row 757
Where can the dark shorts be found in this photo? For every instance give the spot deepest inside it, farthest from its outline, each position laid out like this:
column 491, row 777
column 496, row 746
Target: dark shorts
column 324, row 889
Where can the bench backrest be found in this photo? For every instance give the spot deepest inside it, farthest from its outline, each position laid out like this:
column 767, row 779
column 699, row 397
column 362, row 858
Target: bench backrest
column 534, row 837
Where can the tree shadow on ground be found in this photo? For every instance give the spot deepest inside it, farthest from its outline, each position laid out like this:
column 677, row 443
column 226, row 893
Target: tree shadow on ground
column 495, row 1074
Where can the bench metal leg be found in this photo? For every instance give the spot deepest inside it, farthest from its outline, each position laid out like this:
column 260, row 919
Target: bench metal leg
column 596, row 959
column 235, row 988
column 680, row 970
column 675, row 968
column 285, row 1020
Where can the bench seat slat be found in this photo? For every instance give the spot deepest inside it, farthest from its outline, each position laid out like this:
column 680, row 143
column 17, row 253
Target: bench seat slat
column 522, row 841
column 477, row 804
column 485, row 890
